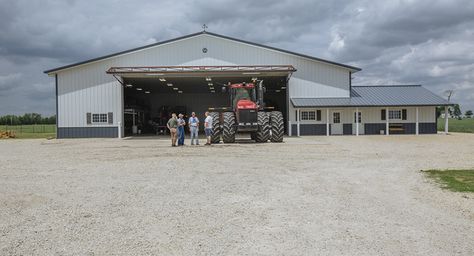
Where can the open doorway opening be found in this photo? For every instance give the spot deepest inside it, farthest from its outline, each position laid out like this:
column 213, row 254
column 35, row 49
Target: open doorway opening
column 152, row 94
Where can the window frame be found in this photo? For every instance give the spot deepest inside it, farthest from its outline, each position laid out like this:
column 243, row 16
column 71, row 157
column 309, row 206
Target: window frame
column 99, row 118
column 391, row 117
column 308, row 115
column 338, row 117
column 360, row 117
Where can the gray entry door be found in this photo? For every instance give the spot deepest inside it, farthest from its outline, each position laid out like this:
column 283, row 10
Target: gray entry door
column 336, row 126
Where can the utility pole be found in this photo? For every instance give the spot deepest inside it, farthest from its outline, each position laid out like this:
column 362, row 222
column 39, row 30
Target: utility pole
column 449, row 93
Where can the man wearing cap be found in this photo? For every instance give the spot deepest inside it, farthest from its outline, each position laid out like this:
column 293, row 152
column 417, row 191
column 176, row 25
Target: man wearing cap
column 208, row 128
column 172, row 126
column 181, row 124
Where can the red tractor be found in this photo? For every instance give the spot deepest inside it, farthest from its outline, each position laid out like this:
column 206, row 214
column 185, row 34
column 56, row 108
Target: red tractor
column 247, row 114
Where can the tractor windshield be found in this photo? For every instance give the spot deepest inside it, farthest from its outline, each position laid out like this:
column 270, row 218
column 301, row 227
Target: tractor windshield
column 243, row 94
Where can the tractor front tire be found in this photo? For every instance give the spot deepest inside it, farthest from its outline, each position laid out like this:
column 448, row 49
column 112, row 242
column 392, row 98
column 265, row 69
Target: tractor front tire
column 278, row 127
column 263, row 133
column 216, row 127
column 228, row 127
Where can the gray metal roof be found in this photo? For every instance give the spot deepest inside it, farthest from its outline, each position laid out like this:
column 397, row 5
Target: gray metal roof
column 387, row 95
column 354, row 69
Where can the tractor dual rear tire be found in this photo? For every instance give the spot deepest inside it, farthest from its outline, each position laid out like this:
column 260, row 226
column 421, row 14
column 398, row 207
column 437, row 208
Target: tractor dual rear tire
column 263, row 133
column 216, row 127
column 228, row 127
column 277, row 126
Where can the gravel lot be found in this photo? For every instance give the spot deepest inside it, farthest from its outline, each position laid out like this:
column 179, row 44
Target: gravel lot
column 312, row 195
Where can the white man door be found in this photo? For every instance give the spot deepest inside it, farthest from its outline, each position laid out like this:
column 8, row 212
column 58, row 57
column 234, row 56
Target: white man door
column 354, row 124
column 336, row 125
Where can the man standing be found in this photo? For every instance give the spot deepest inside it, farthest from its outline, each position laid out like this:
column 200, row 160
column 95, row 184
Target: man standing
column 181, row 124
column 208, row 127
column 172, row 125
column 194, row 128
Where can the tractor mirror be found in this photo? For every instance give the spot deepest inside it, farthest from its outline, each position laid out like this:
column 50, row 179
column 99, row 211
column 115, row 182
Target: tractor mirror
column 224, row 89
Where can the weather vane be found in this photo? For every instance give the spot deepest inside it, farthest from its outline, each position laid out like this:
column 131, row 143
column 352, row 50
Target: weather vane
column 204, row 26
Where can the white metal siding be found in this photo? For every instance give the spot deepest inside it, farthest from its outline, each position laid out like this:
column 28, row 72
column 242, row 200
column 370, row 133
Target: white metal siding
column 87, row 88
column 76, row 98
column 425, row 115
column 372, row 115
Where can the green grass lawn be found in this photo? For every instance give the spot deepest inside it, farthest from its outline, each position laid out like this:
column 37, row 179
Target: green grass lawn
column 455, row 125
column 454, row 180
column 38, row 131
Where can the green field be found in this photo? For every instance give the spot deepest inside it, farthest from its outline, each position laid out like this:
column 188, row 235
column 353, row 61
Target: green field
column 34, row 131
column 455, row 125
column 454, row 180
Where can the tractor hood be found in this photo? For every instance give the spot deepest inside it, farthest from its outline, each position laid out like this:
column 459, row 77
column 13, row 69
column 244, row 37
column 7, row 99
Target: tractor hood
column 246, row 104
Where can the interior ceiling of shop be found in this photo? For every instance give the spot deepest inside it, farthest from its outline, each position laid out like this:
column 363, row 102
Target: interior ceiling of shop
column 197, row 84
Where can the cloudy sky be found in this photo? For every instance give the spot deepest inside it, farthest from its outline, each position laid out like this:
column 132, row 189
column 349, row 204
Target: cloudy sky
column 394, row 42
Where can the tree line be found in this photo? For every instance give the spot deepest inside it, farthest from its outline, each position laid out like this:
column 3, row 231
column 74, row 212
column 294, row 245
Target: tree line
column 454, row 111
column 28, row 118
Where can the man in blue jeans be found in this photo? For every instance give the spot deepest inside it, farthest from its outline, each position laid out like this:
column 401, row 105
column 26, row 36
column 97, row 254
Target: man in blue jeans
column 194, row 128
column 208, row 127
column 181, row 124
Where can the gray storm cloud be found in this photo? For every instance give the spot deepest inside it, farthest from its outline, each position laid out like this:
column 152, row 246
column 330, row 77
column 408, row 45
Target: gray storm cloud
column 408, row 42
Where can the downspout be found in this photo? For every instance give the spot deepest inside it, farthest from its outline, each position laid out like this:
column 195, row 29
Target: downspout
column 350, row 83
column 57, row 105
column 288, row 104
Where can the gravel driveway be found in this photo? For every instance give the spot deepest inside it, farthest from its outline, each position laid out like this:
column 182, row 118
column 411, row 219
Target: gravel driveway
column 313, row 195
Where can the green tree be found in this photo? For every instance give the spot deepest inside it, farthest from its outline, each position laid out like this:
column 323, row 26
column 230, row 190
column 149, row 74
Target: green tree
column 439, row 111
column 468, row 113
column 457, row 111
column 28, row 118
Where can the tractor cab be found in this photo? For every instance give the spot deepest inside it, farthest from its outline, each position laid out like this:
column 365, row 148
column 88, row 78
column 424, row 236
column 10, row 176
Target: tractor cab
column 244, row 103
column 243, row 96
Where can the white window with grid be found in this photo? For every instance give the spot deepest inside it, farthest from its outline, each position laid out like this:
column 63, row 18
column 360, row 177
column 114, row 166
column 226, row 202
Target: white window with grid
column 394, row 114
column 99, row 118
column 359, row 119
column 336, row 117
column 308, row 115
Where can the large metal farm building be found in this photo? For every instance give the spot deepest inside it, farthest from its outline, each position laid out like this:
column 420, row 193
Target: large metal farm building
column 133, row 91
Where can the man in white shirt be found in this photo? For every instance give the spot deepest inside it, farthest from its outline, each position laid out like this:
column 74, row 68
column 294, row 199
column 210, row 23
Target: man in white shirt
column 208, row 127
column 194, row 128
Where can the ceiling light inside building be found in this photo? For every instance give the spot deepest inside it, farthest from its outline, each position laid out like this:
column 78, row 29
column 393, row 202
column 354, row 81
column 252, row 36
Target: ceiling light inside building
column 210, row 84
column 283, row 87
column 277, row 91
column 139, row 89
column 180, row 91
column 162, row 79
column 212, row 88
column 213, row 91
column 128, row 85
column 254, row 79
column 147, row 92
column 208, row 79
column 170, row 84
column 175, row 88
